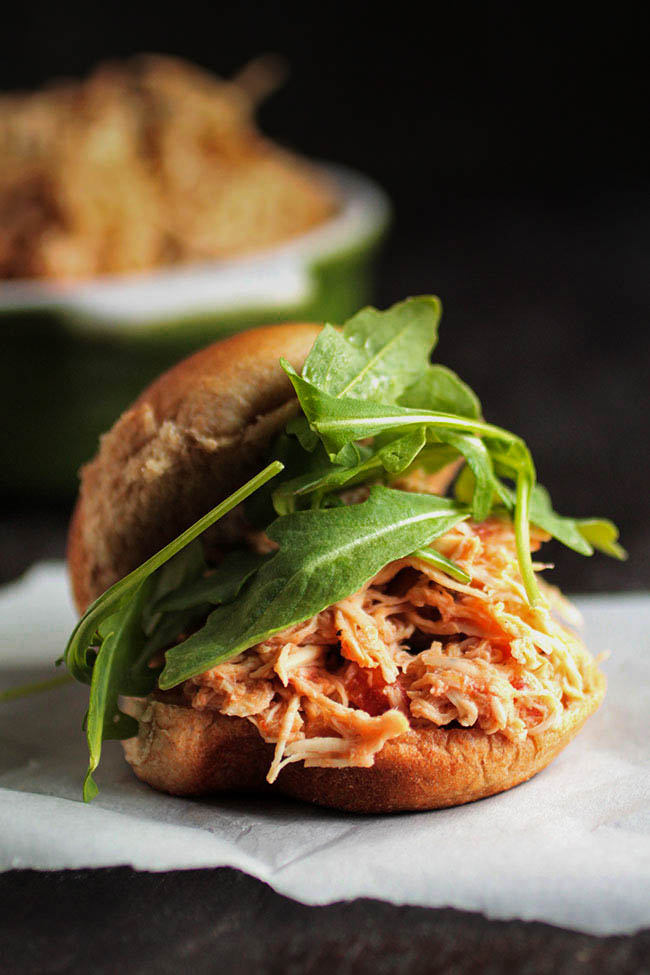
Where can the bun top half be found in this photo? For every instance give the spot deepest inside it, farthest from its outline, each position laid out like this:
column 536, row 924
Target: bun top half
column 190, row 439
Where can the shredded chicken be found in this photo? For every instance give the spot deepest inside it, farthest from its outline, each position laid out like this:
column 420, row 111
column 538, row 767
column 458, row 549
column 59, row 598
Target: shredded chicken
column 411, row 649
column 147, row 163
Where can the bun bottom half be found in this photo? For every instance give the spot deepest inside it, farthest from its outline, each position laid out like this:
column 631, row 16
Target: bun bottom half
column 187, row 752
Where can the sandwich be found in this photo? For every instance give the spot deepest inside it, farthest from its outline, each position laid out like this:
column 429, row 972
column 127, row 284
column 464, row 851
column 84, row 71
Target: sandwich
column 307, row 564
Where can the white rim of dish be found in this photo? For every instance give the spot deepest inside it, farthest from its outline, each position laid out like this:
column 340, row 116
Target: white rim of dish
column 279, row 275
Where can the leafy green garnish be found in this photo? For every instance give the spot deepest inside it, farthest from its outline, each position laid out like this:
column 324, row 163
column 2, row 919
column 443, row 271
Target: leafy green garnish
column 439, row 561
column 602, row 534
column 440, row 390
column 109, row 649
column 378, row 354
column 582, row 535
column 183, row 570
column 393, row 456
column 324, row 556
column 220, row 586
column 341, row 422
column 162, row 625
column 78, row 659
column 114, row 672
column 479, row 461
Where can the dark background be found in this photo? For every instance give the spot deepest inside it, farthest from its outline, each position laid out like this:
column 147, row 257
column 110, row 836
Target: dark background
column 513, row 148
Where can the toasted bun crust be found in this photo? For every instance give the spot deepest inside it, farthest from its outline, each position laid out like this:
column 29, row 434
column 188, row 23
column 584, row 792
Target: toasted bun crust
column 192, row 753
column 191, row 438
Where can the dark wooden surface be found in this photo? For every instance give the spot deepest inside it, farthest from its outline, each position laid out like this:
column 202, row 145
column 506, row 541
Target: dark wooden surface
column 106, row 921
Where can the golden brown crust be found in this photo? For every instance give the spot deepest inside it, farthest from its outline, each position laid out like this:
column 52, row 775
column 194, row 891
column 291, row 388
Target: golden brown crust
column 188, row 441
column 190, row 752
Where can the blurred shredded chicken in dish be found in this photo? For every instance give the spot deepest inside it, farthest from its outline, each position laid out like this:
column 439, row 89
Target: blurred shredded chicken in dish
column 147, row 163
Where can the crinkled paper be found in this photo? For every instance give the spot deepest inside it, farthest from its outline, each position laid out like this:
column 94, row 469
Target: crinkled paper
column 570, row 847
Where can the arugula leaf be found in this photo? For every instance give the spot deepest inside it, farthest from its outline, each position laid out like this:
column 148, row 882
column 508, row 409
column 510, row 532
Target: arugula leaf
column 398, row 453
column 324, row 556
column 114, row 673
column 79, row 658
column 393, row 456
column 183, row 608
column 187, row 607
column 109, row 648
column 171, row 625
column 480, row 463
column 320, row 477
column 583, row 535
column 378, row 354
column 580, row 534
column 433, row 457
column 220, row 586
column 564, row 529
column 182, row 570
column 340, row 422
column 295, row 460
column 298, row 427
column 440, row 390
column 439, row 561
column 603, row 535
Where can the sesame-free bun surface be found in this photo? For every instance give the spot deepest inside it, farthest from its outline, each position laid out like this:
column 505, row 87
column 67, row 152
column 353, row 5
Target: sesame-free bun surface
column 193, row 753
column 189, row 440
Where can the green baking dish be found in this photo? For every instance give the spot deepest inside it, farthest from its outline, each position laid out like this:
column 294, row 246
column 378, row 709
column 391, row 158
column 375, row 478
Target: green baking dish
column 75, row 355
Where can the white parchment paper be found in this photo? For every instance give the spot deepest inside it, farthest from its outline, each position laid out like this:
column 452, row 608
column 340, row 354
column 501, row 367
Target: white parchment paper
column 571, row 847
